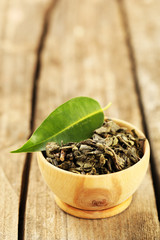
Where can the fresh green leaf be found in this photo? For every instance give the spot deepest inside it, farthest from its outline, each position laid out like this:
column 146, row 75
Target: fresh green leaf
column 73, row 121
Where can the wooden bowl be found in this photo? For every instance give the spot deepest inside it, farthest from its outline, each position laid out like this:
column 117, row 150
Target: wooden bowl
column 95, row 196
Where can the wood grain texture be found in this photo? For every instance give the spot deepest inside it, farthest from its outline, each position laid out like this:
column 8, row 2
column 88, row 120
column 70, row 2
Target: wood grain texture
column 19, row 38
column 20, row 25
column 16, row 84
column 145, row 37
column 8, row 209
column 95, row 214
column 85, row 54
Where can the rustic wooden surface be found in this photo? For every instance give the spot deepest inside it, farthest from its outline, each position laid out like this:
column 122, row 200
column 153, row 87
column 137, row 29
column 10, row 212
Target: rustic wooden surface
column 51, row 51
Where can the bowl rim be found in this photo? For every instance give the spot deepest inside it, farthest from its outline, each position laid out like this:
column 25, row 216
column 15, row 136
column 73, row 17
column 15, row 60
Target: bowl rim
column 146, row 152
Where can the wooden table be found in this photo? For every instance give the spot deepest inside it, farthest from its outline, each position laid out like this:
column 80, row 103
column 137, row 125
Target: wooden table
column 51, row 51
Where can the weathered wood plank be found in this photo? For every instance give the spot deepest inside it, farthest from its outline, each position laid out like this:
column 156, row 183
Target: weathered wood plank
column 19, row 38
column 145, row 37
column 8, row 195
column 16, row 74
column 85, row 54
column 20, row 24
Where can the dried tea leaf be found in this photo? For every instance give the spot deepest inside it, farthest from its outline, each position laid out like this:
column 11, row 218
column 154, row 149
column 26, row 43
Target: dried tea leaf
column 87, row 165
column 62, row 155
column 98, row 138
column 114, row 141
column 120, row 163
column 89, row 142
column 51, row 148
column 112, row 148
column 109, row 141
column 85, row 147
column 100, row 130
column 102, row 160
column 100, row 146
column 134, row 133
column 80, row 163
column 112, row 127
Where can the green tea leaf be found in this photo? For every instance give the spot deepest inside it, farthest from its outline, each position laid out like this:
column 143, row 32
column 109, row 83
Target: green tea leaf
column 73, row 121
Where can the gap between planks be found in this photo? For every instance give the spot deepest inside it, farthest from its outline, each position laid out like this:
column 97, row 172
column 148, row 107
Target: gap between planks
column 26, row 170
column 128, row 39
column 27, row 164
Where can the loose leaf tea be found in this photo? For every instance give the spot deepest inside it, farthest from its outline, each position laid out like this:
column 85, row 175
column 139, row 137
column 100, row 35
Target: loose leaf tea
column 110, row 149
column 74, row 121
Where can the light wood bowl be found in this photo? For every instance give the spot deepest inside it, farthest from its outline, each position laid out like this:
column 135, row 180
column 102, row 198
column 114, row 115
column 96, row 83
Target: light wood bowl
column 95, row 196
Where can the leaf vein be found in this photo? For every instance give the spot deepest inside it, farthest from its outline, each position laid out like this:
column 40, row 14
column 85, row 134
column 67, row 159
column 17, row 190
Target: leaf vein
column 80, row 120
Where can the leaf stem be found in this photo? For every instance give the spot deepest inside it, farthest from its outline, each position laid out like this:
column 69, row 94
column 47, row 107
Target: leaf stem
column 108, row 105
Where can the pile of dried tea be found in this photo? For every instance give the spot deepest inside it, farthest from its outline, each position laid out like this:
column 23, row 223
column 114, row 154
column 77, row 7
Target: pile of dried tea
column 111, row 148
